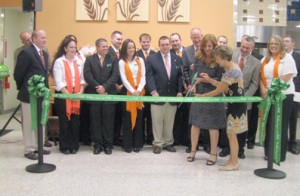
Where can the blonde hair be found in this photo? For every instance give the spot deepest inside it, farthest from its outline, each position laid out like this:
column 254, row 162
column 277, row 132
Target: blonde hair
column 278, row 40
column 201, row 54
column 224, row 52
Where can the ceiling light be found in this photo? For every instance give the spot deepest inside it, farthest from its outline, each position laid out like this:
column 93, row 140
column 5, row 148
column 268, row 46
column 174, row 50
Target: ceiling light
column 298, row 26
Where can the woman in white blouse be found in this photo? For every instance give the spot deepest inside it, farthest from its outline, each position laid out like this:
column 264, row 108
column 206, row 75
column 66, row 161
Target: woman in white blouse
column 132, row 72
column 68, row 76
column 278, row 64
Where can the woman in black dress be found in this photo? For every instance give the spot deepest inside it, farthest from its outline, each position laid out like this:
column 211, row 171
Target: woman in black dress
column 232, row 85
column 209, row 116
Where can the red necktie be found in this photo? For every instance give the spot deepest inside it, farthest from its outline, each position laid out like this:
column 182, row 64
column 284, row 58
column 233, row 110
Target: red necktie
column 241, row 63
column 42, row 57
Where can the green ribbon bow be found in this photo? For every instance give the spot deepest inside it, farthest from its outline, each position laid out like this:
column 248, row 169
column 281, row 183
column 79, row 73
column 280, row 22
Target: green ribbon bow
column 274, row 96
column 37, row 88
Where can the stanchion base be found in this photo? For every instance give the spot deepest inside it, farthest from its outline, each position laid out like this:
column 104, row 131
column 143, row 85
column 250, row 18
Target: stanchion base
column 4, row 132
column 270, row 173
column 40, row 168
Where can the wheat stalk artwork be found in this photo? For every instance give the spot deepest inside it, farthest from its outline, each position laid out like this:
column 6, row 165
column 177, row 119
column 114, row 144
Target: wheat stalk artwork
column 92, row 10
column 172, row 10
column 128, row 8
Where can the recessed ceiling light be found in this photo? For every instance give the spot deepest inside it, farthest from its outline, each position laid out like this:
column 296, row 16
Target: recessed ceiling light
column 298, row 26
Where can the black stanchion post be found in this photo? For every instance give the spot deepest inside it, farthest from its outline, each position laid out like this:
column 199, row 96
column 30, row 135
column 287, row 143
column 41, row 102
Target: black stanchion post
column 269, row 172
column 40, row 167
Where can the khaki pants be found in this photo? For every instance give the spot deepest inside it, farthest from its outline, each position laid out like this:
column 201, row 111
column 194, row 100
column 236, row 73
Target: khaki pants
column 162, row 122
column 29, row 136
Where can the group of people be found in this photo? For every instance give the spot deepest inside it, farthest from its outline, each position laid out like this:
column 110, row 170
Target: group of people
column 206, row 68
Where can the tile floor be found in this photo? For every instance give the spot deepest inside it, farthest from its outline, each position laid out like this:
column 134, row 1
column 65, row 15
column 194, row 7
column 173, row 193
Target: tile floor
column 133, row 174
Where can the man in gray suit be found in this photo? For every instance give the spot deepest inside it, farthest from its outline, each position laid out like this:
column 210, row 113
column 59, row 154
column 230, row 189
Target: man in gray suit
column 250, row 67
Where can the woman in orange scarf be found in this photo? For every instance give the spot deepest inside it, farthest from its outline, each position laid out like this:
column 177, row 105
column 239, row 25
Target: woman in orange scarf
column 276, row 64
column 68, row 76
column 132, row 72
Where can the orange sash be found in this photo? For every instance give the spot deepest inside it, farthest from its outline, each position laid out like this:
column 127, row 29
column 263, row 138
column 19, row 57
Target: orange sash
column 133, row 106
column 275, row 71
column 72, row 107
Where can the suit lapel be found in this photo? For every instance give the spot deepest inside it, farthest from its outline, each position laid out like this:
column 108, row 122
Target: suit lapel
column 173, row 64
column 160, row 58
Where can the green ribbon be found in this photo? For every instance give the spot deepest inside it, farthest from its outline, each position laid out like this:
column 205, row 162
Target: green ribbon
column 124, row 98
column 274, row 96
column 37, row 88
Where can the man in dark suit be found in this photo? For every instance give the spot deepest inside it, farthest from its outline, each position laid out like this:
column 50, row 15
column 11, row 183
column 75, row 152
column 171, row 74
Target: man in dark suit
column 144, row 53
column 181, row 123
column 289, row 43
column 163, row 78
column 188, row 58
column 114, row 51
column 101, row 73
column 31, row 61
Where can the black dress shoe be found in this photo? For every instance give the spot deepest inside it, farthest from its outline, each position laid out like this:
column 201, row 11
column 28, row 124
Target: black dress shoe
column 107, row 150
column 66, row 152
column 31, row 156
column 241, row 155
column 206, row 149
column 224, row 152
column 45, row 152
column 294, row 150
column 97, row 150
column 128, row 150
column 74, row 151
column 137, row 150
column 250, row 146
column 188, row 150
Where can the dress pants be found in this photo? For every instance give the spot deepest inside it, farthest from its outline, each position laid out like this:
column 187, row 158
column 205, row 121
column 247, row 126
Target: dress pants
column 147, row 123
column 162, row 121
column 293, row 125
column 252, row 123
column 29, row 136
column 102, row 118
column 287, row 107
column 84, row 132
column 132, row 138
column 68, row 129
column 118, row 121
column 181, row 125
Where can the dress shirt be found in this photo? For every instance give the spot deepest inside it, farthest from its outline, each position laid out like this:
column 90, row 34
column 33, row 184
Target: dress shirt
column 169, row 57
column 59, row 72
column 287, row 66
column 134, row 70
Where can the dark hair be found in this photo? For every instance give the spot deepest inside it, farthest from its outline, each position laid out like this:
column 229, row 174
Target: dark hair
column 163, row 38
column 115, row 32
column 291, row 37
column 224, row 52
column 123, row 52
column 61, row 48
column 99, row 41
column 144, row 35
column 175, row 34
column 72, row 37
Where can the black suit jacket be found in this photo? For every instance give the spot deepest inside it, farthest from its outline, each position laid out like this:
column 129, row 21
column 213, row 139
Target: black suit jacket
column 140, row 53
column 28, row 64
column 95, row 75
column 157, row 78
column 296, row 57
column 257, row 55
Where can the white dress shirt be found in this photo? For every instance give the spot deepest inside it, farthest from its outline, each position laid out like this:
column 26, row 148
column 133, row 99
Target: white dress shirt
column 134, row 70
column 59, row 72
column 287, row 66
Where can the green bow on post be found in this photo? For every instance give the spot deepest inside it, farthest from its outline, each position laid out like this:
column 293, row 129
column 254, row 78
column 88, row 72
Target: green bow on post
column 37, row 88
column 274, row 96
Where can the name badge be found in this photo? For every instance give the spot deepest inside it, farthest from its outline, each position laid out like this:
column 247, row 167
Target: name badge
column 109, row 65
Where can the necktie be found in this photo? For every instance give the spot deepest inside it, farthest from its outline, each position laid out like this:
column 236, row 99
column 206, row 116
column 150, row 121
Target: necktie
column 241, row 63
column 42, row 57
column 167, row 64
column 117, row 53
column 179, row 53
column 146, row 53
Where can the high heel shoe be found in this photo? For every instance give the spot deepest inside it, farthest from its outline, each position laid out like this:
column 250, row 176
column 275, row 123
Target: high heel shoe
column 191, row 158
column 210, row 162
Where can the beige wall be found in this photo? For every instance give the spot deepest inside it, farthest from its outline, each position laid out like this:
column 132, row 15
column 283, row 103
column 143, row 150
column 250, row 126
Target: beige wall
column 58, row 20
